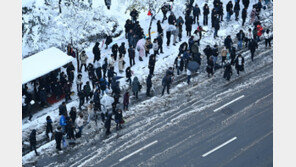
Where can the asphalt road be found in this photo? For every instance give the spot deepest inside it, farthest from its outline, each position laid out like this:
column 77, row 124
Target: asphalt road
column 240, row 134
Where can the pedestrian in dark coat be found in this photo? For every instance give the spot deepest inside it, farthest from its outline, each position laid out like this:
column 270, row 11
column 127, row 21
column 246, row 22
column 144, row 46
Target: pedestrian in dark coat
column 216, row 25
column 63, row 109
column 166, row 83
column 253, row 45
column 103, row 85
column 160, row 42
column 136, row 86
column 58, row 138
column 151, row 65
column 236, row 9
column 97, row 52
column 108, row 122
column 48, row 127
column 71, row 129
column 43, row 97
column 87, row 91
column 97, row 100
column 172, row 19
column 188, row 23
column 114, row 50
column 240, row 37
column 125, row 101
column 210, row 66
column 73, row 114
column 228, row 71
column 196, row 13
column 206, row 12
column 122, row 50
column 148, row 84
column 104, row 67
column 229, row 10
column 108, row 41
column 232, row 55
column 33, row 141
column 179, row 64
column 128, row 75
column 118, row 119
column 244, row 16
column 228, row 42
column 239, row 63
column 159, row 28
column 208, row 52
column 168, row 35
column 131, row 55
column 180, row 23
column 81, row 96
column 165, row 8
column 67, row 91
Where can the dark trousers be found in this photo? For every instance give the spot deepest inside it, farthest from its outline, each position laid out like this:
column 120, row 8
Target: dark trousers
column 244, row 20
column 129, row 80
column 132, row 61
column 58, row 144
column 151, row 70
column 205, row 20
column 136, row 94
column 267, row 41
column 252, row 55
column 168, row 89
column 188, row 78
column 79, row 87
column 82, row 66
column 195, row 19
column 148, row 91
column 125, row 107
column 33, row 147
column 160, row 48
column 81, row 102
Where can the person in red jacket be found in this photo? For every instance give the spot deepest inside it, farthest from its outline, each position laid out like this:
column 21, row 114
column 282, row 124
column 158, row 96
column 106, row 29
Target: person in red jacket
column 259, row 31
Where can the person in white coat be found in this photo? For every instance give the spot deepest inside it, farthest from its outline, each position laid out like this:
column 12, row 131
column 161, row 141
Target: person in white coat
column 268, row 37
column 79, row 123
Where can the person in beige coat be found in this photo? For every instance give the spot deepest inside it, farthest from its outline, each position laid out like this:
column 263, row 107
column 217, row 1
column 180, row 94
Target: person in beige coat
column 223, row 55
column 83, row 60
column 121, row 64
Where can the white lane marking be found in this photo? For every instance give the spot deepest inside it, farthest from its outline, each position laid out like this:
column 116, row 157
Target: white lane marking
column 122, row 159
column 218, row 147
column 229, row 103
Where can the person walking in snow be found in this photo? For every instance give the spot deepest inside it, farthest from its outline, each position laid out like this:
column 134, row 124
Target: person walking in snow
column 118, row 119
column 73, row 113
column 208, row 52
column 166, row 83
column 81, row 96
column 134, row 15
column 164, row 9
column 108, row 41
column 33, row 142
column 125, row 101
column 239, row 63
column 90, row 111
column 63, row 109
column 97, row 52
column 196, row 13
column 206, row 12
column 136, row 86
column 228, row 43
column 148, row 84
column 246, row 3
column 179, row 64
column 58, row 138
column 151, row 64
column 160, row 42
column 188, row 72
column 49, row 127
column 83, row 60
column 236, row 9
column 268, row 37
column 97, row 100
column 228, row 70
column 210, row 66
column 131, row 55
column 79, row 122
column 253, row 45
column 87, row 91
column 216, row 25
column 115, row 50
column 240, row 37
column 244, row 16
column 229, row 10
column 172, row 19
column 188, row 24
column 103, row 85
column 180, row 23
column 108, row 122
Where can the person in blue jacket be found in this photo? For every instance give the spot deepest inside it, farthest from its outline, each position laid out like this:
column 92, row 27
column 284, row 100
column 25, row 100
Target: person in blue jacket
column 63, row 123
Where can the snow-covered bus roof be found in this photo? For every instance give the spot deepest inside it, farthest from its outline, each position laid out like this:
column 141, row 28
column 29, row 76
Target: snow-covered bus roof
column 42, row 63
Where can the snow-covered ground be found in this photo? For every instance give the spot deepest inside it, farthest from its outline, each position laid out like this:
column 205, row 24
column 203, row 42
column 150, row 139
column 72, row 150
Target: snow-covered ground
column 118, row 11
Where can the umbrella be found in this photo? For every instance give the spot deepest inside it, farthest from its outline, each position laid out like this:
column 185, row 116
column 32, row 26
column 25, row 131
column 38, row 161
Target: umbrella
column 117, row 77
column 193, row 66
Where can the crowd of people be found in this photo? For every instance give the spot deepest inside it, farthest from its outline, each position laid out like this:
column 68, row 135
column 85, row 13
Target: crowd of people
column 102, row 76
